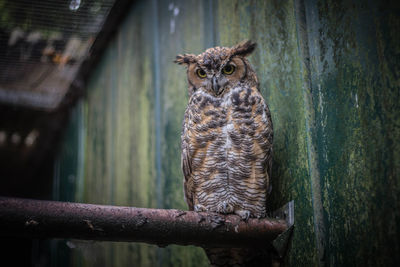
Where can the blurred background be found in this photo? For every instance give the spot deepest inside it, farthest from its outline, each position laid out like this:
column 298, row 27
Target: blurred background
column 91, row 107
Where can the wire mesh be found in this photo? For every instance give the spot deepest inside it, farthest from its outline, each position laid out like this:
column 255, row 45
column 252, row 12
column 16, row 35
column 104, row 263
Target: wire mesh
column 42, row 45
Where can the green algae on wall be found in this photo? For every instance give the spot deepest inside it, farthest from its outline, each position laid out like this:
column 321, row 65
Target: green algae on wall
column 357, row 129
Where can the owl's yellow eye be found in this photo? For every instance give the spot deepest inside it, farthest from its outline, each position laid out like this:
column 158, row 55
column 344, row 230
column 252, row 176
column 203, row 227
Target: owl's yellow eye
column 228, row 69
column 201, row 73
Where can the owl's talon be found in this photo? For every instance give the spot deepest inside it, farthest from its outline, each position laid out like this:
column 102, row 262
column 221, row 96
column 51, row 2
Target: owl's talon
column 244, row 214
column 199, row 208
column 225, row 208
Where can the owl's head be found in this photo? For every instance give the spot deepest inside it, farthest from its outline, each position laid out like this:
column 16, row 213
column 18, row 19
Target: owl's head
column 219, row 68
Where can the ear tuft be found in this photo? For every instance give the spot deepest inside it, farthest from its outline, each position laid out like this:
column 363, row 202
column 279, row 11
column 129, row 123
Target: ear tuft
column 185, row 59
column 244, row 48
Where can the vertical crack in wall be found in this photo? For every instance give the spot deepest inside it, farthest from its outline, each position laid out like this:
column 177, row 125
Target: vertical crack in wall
column 157, row 115
column 114, row 98
column 113, row 135
column 305, row 16
column 80, row 175
column 209, row 27
column 157, row 104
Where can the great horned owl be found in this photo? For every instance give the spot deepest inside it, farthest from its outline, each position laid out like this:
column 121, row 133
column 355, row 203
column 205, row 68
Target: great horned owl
column 227, row 134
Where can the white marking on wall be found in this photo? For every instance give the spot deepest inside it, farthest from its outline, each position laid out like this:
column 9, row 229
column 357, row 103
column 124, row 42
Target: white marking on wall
column 175, row 12
column 356, row 97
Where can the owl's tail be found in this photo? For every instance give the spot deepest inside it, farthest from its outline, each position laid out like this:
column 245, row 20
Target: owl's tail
column 238, row 257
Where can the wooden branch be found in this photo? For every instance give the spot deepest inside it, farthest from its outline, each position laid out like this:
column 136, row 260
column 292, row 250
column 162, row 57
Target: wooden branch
column 51, row 219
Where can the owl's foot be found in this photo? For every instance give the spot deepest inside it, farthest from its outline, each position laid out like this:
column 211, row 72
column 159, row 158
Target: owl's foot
column 224, row 207
column 244, row 214
column 199, row 208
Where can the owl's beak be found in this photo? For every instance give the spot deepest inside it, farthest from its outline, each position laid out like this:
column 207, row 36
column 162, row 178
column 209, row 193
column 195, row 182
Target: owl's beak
column 215, row 85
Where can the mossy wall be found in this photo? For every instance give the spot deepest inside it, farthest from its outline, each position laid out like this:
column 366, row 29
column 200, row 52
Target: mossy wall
column 329, row 71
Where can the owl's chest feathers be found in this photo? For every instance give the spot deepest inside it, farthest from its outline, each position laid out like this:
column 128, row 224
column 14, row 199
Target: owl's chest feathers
column 222, row 131
column 233, row 113
column 227, row 142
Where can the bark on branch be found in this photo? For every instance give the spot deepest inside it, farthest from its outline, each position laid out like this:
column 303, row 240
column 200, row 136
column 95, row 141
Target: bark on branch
column 51, row 219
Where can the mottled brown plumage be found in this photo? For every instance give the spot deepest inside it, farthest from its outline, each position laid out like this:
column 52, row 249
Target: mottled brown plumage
column 227, row 135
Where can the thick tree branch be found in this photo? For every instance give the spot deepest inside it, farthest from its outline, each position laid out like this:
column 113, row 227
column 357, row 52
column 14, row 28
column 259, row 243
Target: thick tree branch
column 51, row 219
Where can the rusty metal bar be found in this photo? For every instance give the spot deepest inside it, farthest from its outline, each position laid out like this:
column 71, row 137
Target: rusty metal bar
column 51, row 219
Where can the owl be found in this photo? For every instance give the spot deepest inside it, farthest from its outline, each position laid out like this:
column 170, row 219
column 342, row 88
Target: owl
column 227, row 134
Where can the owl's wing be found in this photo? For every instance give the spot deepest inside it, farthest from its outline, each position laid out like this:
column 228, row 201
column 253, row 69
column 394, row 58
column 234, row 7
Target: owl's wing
column 186, row 164
column 187, row 171
column 270, row 140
